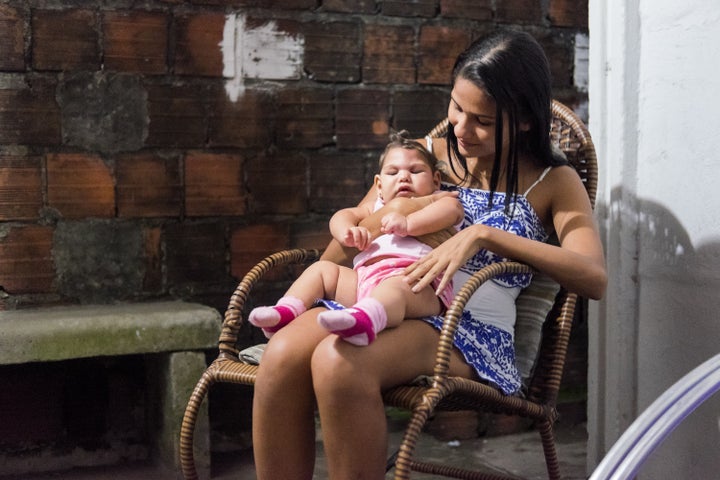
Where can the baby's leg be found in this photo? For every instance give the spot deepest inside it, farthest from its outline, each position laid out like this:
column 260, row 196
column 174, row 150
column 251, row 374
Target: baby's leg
column 389, row 303
column 319, row 280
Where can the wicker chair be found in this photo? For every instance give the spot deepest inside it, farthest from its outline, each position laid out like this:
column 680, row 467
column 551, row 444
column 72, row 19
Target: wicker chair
column 539, row 398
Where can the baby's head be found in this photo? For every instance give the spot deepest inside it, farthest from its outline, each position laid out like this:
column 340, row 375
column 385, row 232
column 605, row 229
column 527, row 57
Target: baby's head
column 407, row 169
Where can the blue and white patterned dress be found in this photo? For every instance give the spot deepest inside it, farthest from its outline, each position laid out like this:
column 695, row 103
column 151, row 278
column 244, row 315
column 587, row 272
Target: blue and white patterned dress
column 485, row 331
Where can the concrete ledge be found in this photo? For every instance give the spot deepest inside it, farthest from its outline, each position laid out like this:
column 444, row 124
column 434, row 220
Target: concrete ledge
column 171, row 336
column 61, row 333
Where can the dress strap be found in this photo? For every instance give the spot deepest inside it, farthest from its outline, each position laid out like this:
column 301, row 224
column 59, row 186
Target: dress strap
column 429, row 143
column 540, row 178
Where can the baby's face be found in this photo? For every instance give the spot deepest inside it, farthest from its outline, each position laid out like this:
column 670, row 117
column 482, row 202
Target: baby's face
column 406, row 174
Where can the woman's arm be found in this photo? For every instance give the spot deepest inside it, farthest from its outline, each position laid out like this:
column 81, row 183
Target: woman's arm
column 578, row 263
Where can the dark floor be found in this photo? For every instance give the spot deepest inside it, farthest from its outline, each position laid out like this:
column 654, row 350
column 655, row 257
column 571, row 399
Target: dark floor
column 518, row 454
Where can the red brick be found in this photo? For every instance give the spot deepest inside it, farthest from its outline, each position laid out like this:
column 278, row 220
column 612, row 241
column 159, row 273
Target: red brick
column 153, row 259
column 135, row 41
column 244, row 123
column 195, row 255
column 349, row 6
column 197, row 45
column 26, row 263
column 80, row 186
column 20, row 187
column 65, row 40
column 12, row 39
column 439, row 46
column 177, row 116
column 470, row 9
column 403, row 8
column 519, row 11
column 250, row 244
column 278, row 183
column 418, row 111
column 333, row 51
column 362, row 118
column 29, row 114
column 214, row 184
column 389, row 65
column 339, row 180
column 283, row 4
column 568, row 13
column 305, row 117
column 148, row 186
column 312, row 234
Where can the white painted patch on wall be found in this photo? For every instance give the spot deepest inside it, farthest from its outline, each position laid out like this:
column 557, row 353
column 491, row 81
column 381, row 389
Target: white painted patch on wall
column 582, row 57
column 260, row 53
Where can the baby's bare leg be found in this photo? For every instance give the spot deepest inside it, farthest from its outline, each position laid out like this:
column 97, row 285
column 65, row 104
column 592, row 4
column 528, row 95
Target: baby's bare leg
column 388, row 304
column 400, row 302
column 322, row 279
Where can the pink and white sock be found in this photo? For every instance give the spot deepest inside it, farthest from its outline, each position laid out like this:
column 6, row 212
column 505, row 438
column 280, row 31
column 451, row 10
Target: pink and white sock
column 272, row 319
column 358, row 324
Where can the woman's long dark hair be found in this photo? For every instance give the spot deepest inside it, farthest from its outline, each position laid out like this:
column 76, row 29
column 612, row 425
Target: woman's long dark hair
column 512, row 69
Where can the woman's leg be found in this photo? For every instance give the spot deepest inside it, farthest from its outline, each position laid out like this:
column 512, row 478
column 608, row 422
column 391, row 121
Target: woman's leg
column 348, row 383
column 284, row 402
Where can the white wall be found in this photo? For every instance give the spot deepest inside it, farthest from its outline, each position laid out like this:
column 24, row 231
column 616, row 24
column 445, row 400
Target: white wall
column 654, row 113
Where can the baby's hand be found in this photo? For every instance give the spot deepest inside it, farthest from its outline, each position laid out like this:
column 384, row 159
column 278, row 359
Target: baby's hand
column 394, row 223
column 357, row 237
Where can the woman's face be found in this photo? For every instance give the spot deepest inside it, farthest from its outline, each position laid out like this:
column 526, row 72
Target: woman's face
column 472, row 116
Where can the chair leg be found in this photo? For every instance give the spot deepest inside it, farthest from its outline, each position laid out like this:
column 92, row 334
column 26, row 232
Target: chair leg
column 548, row 443
column 187, row 430
column 412, row 433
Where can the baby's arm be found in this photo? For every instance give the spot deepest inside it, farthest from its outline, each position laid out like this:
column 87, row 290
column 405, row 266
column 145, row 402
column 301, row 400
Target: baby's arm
column 442, row 213
column 338, row 253
column 344, row 226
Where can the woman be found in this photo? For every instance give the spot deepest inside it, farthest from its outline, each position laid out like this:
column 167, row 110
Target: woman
column 515, row 192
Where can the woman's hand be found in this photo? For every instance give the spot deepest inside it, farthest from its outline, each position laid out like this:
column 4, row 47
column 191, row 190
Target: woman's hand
column 445, row 259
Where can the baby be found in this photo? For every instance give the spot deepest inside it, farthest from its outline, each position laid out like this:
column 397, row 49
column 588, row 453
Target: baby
column 375, row 288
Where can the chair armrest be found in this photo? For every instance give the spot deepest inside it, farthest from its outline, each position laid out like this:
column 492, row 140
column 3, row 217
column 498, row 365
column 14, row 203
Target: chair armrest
column 233, row 321
column 454, row 312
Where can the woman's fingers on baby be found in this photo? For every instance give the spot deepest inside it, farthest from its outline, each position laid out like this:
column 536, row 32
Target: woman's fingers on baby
column 444, row 282
column 423, row 275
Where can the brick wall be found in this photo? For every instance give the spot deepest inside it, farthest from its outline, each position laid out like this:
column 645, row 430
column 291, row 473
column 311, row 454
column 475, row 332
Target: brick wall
column 160, row 150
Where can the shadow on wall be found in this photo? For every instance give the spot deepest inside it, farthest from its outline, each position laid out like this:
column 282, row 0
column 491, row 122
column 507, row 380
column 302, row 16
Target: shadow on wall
column 677, row 326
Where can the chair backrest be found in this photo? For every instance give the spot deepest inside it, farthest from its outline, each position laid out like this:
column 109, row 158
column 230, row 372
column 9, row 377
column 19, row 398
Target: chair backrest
column 545, row 312
column 570, row 134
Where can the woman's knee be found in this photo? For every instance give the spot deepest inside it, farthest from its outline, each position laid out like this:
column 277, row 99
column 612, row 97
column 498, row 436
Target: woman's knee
column 337, row 371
